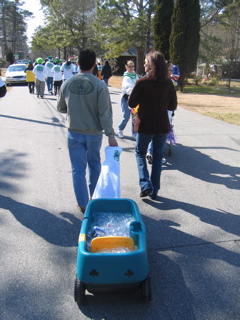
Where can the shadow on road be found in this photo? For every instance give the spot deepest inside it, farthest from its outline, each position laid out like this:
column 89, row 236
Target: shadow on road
column 58, row 231
column 201, row 166
column 55, row 121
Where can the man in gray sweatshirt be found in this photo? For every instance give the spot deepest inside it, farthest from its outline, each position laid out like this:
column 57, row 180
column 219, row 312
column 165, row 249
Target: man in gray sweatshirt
column 86, row 100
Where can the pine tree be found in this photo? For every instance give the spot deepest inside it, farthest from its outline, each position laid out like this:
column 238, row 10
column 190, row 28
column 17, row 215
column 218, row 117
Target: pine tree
column 162, row 26
column 9, row 56
column 69, row 26
column 124, row 24
column 185, row 37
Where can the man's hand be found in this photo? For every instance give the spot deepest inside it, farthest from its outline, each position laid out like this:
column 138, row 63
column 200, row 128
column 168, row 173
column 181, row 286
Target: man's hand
column 113, row 143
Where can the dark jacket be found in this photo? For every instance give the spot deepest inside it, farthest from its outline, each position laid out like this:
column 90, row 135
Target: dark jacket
column 106, row 72
column 95, row 70
column 154, row 99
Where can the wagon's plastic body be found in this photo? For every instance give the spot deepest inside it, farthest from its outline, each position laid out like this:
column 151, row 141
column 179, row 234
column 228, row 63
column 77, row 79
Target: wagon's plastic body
column 110, row 272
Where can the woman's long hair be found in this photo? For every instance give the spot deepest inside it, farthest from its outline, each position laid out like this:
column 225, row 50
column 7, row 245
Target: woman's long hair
column 30, row 66
column 158, row 66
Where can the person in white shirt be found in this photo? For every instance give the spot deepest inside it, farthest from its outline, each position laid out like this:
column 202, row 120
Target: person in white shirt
column 49, row 65
column 57, row 76
column 67, row 69
column 129, row 79
column 40, row 72
column 76, row 68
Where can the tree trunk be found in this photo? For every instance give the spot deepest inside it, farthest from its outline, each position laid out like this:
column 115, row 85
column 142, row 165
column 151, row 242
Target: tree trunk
column 14, row 31
column 181, row 82
column 229, row 83
column 4, row 28
column 140, row 61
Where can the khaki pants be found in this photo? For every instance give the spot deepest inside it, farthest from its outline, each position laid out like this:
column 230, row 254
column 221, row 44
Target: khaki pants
column 40, row 87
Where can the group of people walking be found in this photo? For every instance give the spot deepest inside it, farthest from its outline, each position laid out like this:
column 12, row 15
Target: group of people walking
column 50, row 73
column 86, row 101
column 53, row 73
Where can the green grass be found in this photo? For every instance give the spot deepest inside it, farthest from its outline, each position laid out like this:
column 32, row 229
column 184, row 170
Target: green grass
column 220, row 89
column 233, row 118
column 202, row 89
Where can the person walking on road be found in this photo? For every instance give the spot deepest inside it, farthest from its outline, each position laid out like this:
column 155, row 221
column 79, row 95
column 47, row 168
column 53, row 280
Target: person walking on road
column 170, row 115
column 30, row 77
column 40, row 72
column 129, row 79
column 57, row 76
column 67, row 69
column 49, row 65
column 106, row 72
column 86, row 100
column 99, row 68
column 155, row 95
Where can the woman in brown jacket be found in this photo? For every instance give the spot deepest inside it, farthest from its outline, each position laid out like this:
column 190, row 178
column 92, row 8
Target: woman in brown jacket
column 154, row 94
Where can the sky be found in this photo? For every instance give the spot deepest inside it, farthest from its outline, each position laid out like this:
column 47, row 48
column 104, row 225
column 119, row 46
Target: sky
column 34, row 7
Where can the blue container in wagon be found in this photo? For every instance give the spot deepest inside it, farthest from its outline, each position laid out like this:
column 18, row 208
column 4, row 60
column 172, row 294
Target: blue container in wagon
column 110, row 271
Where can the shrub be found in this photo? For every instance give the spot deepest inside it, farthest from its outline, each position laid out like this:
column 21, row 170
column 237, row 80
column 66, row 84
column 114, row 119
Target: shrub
column 197, row 80
column 213, row 82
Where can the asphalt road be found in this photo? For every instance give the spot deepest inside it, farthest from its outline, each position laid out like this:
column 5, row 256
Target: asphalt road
column 193, row 229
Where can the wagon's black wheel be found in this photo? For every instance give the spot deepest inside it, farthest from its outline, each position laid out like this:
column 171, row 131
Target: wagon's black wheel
column 79, row 291
column 146, row 291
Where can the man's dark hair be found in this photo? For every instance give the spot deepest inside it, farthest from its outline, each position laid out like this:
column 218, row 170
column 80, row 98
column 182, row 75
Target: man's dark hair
column 87, row 59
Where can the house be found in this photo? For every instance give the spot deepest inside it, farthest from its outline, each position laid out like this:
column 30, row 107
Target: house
column 130, row 54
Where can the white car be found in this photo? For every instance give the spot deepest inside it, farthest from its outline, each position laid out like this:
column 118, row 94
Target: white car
column 15, row 74
column 25, row 61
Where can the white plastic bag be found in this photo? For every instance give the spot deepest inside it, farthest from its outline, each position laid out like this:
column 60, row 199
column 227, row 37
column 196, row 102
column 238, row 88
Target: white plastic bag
column 108, row 185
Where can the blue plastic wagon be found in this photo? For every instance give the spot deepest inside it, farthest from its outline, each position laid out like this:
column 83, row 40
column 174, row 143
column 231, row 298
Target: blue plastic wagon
column 112, row 272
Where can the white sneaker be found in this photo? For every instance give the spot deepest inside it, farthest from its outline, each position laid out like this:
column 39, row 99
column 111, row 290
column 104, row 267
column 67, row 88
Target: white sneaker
column 120, row 134
column 164, row 160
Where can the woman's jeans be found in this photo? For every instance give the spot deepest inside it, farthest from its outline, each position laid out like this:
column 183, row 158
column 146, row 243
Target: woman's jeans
column 142, row 142
column 126, row 112
column 84, row 150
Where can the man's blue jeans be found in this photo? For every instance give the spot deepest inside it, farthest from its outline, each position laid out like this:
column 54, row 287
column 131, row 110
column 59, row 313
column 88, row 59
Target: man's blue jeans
column 84, row 150
column 126, row 113
column 142, row 142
